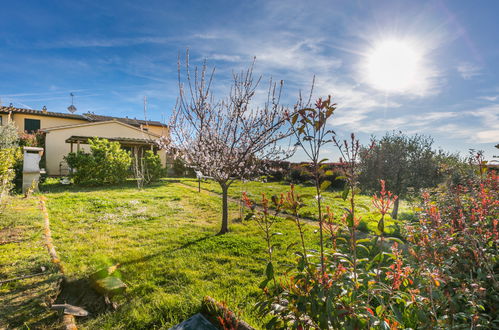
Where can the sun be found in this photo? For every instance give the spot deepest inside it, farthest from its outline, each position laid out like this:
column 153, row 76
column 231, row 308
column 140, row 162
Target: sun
column 393, row 66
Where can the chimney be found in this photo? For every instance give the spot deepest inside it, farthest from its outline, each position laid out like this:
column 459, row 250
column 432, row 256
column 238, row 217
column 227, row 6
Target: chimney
column 44, row 109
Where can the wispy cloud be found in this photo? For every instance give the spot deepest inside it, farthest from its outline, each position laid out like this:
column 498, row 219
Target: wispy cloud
column 225, row 57
column 482, row 125
column 489, row 98
column 83, row 42
column 372, row 122
column 469, row 70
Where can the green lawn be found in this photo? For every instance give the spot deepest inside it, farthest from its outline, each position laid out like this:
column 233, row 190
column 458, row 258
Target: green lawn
column 164, row 238
column 254, row 190
column 21, row 253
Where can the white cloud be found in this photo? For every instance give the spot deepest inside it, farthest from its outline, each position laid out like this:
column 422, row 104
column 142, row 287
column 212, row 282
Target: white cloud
column 370, row 120
column 489, row 98
column 489, row 136
column 225, row 57
column 489, row 115
column 469, row 70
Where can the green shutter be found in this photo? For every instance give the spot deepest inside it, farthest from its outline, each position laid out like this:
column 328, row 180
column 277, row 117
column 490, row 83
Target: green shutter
column 31, row 125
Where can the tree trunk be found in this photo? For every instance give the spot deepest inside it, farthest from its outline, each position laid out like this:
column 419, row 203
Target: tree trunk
column 395, row 210
column 225, row 210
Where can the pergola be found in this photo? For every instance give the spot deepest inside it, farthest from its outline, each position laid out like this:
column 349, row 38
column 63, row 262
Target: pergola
column 132, row 143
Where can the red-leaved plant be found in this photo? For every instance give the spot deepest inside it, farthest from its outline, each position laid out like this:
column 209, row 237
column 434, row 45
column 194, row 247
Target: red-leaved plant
column 455, row 247
column 353, row 283
column 444, row 274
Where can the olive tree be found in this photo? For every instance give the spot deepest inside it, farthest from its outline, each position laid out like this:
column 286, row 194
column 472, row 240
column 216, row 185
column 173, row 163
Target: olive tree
column 406, row 163
column 226, row 138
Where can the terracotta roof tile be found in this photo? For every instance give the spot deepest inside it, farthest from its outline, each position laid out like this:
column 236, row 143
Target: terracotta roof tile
column 129, row 121
column 91, row 117
column 41, row 113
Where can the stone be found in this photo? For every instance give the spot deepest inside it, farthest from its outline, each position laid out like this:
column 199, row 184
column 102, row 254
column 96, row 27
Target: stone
column 196, row 322
column 70, row 309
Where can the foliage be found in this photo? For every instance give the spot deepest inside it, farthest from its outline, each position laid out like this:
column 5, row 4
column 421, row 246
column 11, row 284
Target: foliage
column 311, row 133
column 277, row 170
column 227, row 138
column 36, row 139
column 406, row 163
column 453, row 169
column 9, row 157
column 181, row 170
column 448, row 280
column 106, row 163
column 9, row 137
column 455, row 246
column 147, row 168
column 219, row 313
column 302, row 173
column 153, row 168
column 298, row 173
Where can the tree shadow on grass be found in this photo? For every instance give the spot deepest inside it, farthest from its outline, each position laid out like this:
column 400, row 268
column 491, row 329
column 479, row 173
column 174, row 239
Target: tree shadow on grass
column 163, row 252
column 27, row 304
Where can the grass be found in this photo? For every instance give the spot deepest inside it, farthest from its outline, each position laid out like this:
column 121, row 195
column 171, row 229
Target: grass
column 22, row 253
column 254, row 190
column 163, row 237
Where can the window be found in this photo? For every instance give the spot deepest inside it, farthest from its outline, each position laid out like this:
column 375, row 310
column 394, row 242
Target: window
column 31, row 125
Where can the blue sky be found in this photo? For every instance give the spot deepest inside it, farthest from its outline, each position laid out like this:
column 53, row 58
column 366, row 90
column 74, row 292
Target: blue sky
column 111, row 54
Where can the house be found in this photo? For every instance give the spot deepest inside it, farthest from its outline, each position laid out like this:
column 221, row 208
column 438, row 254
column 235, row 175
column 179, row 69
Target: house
column 67, row 132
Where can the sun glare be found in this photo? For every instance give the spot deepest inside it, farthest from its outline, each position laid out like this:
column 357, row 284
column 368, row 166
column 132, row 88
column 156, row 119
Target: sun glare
column 393, row 66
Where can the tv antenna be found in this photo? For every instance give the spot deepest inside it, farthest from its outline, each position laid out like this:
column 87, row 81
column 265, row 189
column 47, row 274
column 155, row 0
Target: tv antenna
column 72, row 108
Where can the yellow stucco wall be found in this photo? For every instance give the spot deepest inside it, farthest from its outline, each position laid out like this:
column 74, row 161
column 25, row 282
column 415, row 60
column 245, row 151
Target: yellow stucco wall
column 57, row 148
column 159, row 130
column 45, row 121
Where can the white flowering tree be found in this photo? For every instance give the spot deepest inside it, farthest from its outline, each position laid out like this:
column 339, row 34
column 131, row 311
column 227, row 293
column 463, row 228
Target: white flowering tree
column 226, row 138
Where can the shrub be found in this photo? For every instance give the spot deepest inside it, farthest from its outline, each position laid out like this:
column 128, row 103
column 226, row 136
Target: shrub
column 153, row 168
column 277, row 170
column 9, row 156
column 455, row 247
column 36, row 139
column 8, row 160
column 180, row 169
column 106, row 163
column 300, row 173
column 147, row 168
column 303, row 173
